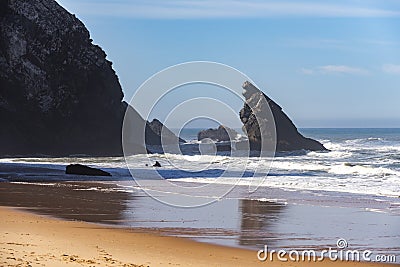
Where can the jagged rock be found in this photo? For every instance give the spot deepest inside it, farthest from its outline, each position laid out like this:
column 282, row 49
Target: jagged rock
column 255, row 111
column 58, row 93
column 222, row 133
column 157, row 164
column 85, row 170
column 159, row 129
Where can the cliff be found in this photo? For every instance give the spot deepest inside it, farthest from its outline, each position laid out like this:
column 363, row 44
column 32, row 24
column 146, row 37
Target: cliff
column 58, row 93
column 287, row 136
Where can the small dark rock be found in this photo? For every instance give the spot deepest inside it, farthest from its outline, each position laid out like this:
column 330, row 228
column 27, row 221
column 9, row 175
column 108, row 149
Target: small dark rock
column 157, row 164
column 85, row 170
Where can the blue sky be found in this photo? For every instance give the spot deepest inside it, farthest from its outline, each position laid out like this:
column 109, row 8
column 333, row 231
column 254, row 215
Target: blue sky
column 327, row 63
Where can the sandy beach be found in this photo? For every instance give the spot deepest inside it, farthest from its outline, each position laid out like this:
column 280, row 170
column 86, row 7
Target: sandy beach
column 28, row 239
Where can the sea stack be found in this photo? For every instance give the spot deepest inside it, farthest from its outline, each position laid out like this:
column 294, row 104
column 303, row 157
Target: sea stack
column 222, row 133
column 168, row 137
column 256, row 111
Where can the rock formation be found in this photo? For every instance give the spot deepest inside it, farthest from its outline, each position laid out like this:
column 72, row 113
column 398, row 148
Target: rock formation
column 256, row 111
column 58, row 93
column 159, row 129
column 222, row 133
column 157, row 164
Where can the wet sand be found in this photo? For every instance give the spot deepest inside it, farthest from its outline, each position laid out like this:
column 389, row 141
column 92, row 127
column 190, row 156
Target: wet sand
column 243, row 223
column 35, row 240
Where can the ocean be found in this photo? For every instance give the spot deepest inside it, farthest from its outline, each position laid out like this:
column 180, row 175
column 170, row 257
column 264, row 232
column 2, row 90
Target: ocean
column 298, row 199
column 364, row 161
column 361, row 161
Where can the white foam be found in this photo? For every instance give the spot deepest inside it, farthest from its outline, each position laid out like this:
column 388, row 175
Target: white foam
column 375, row 210
column 275, row 200
column 299, row 166
column 334, row 146
column 389, row 187
column 359, row 169
column 330, row 154
column 35, row 183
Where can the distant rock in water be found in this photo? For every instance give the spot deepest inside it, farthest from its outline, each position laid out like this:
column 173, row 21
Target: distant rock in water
column 222, row 133
column 157, row 164
column 85, row 170
column 59, row 95
column 287, row 136
column 158, row 128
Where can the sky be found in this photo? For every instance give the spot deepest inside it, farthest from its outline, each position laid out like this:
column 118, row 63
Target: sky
column 326, row 63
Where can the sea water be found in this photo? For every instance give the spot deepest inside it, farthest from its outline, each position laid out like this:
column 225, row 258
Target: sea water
column 359, row 161
column 364, row 161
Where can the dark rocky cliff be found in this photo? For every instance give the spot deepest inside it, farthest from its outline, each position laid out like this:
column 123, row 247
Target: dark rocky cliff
column 58, row 93
column 287, row 136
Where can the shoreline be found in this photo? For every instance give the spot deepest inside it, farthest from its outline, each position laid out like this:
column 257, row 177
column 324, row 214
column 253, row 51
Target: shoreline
column 29, row 239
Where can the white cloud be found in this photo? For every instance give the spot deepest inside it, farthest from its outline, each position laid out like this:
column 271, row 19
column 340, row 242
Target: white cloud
column 186, row 9
column 391, row 68
column 342, row 69
column 307, row 71
column 329, row 69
